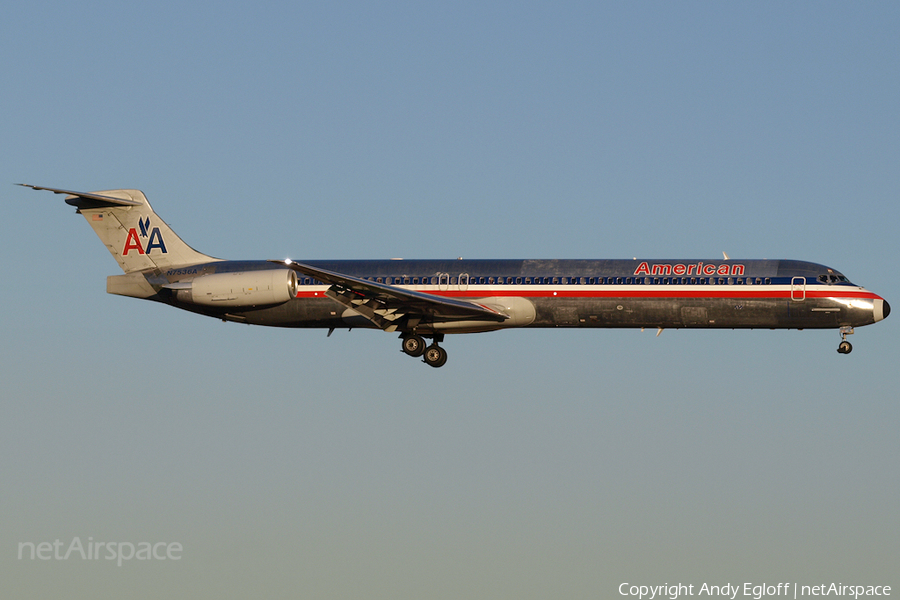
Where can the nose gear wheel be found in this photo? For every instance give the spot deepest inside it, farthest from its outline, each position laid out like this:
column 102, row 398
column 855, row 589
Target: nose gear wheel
column 845, row 347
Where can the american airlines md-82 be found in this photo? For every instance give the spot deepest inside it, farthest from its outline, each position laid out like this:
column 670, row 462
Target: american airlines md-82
column 426, row 299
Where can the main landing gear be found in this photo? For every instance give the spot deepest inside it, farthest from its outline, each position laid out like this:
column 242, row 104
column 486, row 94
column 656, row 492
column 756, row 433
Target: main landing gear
column 845, row 347
column 415, row 345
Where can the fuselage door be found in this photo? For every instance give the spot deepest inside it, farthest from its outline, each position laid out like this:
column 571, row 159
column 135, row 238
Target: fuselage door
column 798, row 289
column 463, row 282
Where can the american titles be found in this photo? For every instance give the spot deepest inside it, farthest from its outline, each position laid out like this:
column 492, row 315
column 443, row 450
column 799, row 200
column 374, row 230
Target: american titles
column 690, row 269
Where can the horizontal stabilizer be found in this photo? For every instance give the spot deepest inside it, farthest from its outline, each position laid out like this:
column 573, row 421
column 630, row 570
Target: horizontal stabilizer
column 106, row 200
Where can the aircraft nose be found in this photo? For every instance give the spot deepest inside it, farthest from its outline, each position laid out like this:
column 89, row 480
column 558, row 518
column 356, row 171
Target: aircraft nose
column 882, row 309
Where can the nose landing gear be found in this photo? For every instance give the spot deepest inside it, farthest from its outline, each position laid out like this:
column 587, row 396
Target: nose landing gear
column 845, row 347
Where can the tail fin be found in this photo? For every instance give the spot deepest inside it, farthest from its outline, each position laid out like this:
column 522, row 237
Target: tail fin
column 136, row 237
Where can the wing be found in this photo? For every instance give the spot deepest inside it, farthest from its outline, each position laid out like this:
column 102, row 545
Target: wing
column 392, row 308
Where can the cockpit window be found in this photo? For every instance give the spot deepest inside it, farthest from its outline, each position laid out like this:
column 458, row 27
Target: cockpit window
column 832, row 278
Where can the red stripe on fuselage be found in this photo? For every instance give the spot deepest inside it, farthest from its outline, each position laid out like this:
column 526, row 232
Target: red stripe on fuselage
column 635, row 293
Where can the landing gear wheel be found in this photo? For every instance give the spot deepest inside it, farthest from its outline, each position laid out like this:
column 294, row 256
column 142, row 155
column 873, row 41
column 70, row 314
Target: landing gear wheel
column 435, row 356
column 414, row 345
column 845, row 347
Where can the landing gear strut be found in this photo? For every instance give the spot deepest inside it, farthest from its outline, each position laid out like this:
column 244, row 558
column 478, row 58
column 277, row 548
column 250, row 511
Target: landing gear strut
column 845, row 347
column 415, row 345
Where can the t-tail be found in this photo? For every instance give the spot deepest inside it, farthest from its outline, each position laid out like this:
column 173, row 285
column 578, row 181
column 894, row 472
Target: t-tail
column 135, row 235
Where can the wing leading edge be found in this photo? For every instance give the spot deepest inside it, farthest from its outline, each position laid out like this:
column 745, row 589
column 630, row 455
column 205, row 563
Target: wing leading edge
column 393, row 308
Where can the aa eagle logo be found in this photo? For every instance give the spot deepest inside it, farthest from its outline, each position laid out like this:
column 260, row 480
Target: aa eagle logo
column 133, row 241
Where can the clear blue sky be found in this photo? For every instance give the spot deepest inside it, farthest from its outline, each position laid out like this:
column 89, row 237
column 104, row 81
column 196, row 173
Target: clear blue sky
column 536, row 464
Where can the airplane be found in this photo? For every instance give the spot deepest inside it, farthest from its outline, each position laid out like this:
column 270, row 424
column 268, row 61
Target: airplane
column 427, row 299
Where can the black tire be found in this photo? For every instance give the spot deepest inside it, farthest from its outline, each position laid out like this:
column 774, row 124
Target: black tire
column 435, row 356
column 845, row 347
column 414, row 345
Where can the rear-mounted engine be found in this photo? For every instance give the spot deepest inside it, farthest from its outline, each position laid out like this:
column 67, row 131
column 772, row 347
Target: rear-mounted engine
column 244, row 288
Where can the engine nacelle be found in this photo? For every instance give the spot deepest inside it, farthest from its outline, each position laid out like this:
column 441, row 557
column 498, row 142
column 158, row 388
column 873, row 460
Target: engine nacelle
column 244, row 288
